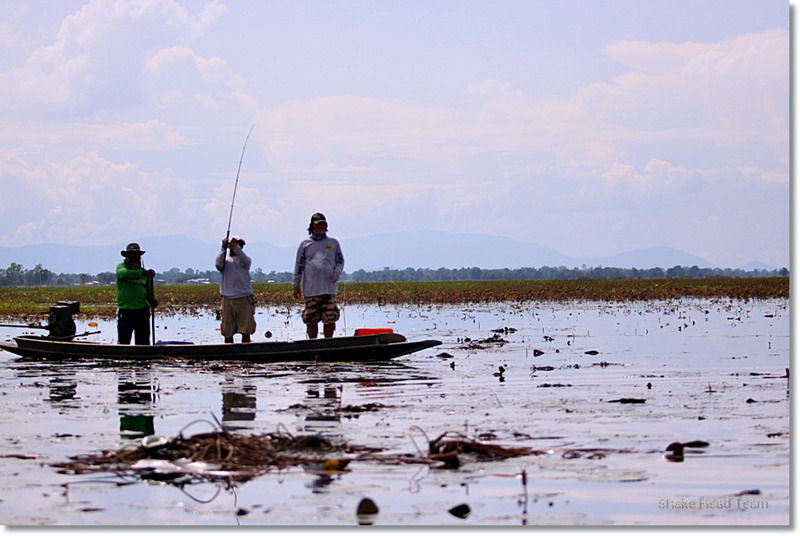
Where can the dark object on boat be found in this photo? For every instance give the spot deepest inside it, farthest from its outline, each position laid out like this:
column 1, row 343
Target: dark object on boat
column 379, row 347
column 59, row 321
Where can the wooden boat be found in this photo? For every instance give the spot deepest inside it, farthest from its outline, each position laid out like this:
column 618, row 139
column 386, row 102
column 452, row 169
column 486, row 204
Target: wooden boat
column 372, row 347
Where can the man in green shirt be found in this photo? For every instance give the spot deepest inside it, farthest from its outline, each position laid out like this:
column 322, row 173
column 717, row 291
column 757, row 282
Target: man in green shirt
column 135, row 297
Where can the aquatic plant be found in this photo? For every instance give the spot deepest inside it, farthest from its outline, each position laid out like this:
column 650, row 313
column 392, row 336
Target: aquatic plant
column 99, row 301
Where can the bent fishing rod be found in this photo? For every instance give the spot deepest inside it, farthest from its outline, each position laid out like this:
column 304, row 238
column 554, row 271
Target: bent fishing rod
column 236, row 184
column 233, row 200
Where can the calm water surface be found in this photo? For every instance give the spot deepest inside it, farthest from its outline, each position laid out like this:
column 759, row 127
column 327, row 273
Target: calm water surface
column 707, row 370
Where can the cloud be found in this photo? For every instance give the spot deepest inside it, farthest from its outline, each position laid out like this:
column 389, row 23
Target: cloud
column 89, row 199
column 731, row 94
column 726, row 101
column 95, row 61
column 495, row 89
column 180, row 80
column 70, row 138
column 353, row 132
column 101, row 107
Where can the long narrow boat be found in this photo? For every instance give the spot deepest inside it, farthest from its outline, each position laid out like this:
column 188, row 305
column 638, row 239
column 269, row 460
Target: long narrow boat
column 377, row 347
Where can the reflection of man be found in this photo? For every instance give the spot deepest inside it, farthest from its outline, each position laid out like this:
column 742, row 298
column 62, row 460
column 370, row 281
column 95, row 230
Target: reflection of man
column 135, row 396
column 238, row 402
column 317, row 268
column 238, row 304
column 135, row 297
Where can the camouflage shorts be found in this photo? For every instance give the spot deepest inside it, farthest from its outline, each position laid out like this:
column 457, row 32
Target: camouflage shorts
column 321, row 308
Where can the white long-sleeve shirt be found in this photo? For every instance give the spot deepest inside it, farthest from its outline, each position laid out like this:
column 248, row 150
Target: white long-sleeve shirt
column 235, row 274
column 316, row 262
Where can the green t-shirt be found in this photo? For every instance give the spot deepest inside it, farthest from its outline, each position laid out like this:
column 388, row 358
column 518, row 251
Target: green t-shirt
column 133, row 288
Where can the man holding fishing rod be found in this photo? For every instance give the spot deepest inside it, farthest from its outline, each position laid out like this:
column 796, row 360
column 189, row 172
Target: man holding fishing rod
column 136, row 298
column 317, row 268
column 238, row 303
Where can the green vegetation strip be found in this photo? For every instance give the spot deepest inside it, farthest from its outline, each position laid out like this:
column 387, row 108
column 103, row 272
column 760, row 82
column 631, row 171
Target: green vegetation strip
column 99, row 301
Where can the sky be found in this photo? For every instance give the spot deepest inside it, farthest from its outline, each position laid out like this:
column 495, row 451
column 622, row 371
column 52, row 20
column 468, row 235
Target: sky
column 592, row 127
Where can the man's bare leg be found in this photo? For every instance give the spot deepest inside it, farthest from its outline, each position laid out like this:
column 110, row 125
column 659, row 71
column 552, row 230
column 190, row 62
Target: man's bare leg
column 328, row 330
column 312, row 330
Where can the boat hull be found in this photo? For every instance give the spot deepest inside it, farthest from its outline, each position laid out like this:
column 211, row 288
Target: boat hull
column 379, row 347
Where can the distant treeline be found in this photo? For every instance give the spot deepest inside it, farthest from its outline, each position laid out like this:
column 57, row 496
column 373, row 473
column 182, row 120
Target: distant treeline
column 16, row 275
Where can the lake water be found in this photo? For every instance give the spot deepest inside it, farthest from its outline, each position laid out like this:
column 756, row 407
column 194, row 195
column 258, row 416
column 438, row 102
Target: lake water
column 707, row 370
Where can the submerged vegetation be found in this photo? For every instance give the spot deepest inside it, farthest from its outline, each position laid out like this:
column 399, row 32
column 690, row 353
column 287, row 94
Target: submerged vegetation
column 99, row 300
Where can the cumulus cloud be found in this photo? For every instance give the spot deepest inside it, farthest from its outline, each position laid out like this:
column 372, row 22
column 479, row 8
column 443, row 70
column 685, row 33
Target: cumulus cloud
column 95, row 61
column 97, row 109
column 88, row 199
column 180, row 80
column 726, row 100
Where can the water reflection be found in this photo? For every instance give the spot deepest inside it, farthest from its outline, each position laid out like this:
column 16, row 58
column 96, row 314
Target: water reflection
column 324, row 403
column 64, row 388
column 136, row 398
column 238, row 402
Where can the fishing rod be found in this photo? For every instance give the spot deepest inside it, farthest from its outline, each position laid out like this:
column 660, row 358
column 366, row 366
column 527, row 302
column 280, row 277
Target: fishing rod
column 236, row 184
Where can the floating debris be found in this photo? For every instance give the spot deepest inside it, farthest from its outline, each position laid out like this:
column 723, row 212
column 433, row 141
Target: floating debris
column 675, row 450
column 604, row 364
column 455, row 443
column 696, row 444
column 215, row 455
column 628, row 401
column 366, row 511
column 482, row 344
column 460, row 511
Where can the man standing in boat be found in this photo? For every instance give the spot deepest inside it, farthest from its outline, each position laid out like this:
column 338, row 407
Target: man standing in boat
column 238, row 303
column 135, row 297
column 318, row 266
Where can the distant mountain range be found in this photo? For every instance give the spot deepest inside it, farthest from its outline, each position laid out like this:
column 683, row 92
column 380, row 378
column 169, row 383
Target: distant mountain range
column 416, row 249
